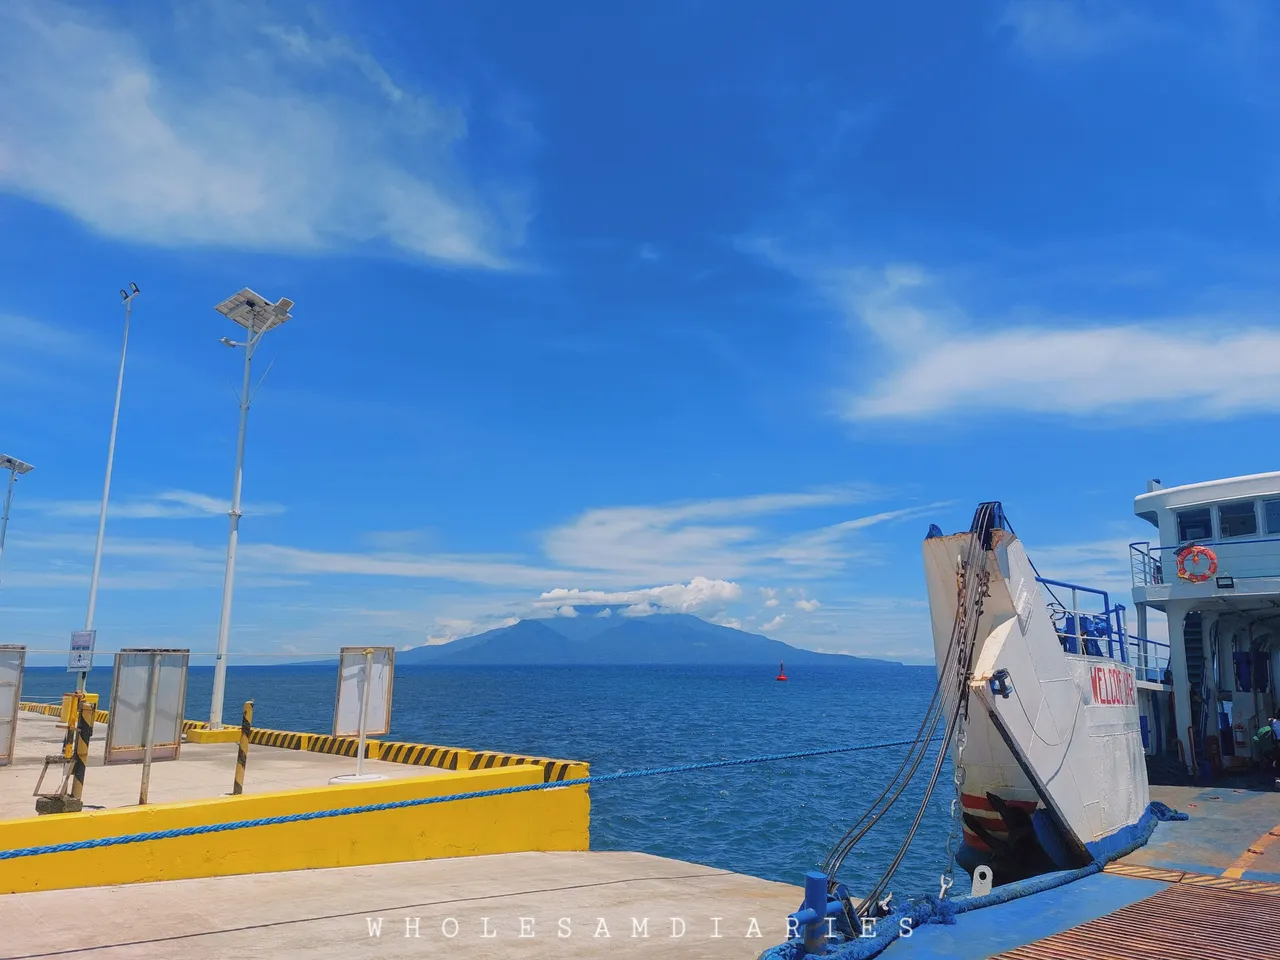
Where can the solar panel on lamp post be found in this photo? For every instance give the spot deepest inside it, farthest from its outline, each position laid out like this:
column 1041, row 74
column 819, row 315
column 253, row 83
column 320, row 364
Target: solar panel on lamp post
column 257, row 315
column 16, row 469
column 126, row 297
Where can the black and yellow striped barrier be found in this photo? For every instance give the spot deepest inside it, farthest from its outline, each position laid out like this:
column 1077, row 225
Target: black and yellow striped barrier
column 48, row 709
column 55, row 710
column 242, row 753
column 413, row 754
column 425, row 755
column 285, row 739
column 342, row 746
column 552, row 770
column 84, row 733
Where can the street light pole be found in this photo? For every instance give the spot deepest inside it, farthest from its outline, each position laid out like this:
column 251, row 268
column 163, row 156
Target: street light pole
column 127, row 297
column 16, row 469
column 257, row 315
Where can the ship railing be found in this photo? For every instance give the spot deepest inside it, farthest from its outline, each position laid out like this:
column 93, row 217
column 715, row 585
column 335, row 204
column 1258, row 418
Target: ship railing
column 1150, row 659
column 1082, row 627
column 1145, row 566
column 1239, row 558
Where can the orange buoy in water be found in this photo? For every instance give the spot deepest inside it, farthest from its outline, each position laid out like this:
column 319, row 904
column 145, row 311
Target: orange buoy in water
column 782, row 672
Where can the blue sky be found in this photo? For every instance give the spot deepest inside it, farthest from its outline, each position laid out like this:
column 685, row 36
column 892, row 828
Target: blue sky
column 709, row 307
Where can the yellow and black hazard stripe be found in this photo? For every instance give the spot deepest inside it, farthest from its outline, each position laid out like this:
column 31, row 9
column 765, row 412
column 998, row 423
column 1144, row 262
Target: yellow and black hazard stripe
column 341, row 746
column 189, row 725
column 84, row 733
column 487, row 761
column 553, row 771
column 242, row 751
column 48, row 709
column 285, row 739
column 420, row 755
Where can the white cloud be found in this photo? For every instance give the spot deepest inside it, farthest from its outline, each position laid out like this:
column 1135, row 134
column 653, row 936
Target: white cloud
column 606, row 612
column 170, row 505
column 807, row 605
column 37, row 336
column 731, row 622
column 465, row 568
column 178, row 563
column 236, row 132
column 772, row 602
column 774, row 623
column 1075, row 29
column 938, row 359
column 448, row 629
column 566, row 611
column 698, row 594
column 709, row 538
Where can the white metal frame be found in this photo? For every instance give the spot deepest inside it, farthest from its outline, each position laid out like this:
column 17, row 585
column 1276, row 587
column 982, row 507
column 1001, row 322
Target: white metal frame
column 11, row 717
column 146, row 751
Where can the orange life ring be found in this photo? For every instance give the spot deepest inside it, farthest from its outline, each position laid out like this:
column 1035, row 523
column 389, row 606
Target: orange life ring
column 1192, row 554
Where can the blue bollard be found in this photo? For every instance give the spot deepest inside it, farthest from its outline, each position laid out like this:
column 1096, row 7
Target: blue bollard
column 815, row 899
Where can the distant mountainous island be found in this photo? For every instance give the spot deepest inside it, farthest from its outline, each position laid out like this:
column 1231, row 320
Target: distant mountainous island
column 672, row 638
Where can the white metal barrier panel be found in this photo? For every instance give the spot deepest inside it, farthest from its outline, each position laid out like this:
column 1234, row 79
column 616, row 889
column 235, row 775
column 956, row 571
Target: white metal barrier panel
column 12, row 659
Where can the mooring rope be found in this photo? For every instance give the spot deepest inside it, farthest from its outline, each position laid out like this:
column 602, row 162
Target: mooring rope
column 205, row 828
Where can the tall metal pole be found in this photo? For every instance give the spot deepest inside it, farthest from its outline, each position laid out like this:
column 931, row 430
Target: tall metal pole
column 153, row 694
column 8, row 501
column 106, row 483
column 364, row 712
column 229, row 578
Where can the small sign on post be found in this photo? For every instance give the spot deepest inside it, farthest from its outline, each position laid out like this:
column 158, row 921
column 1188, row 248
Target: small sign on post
column 80, row 658
column 363, row 705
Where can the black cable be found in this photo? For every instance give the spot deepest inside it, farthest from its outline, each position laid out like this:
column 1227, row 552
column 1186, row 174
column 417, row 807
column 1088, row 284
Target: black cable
column 953, row 703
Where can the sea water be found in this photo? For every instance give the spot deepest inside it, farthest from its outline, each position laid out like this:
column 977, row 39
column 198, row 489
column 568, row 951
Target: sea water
column 772, row 820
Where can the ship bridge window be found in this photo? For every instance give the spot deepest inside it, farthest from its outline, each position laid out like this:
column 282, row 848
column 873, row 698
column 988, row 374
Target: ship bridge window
column 1272, row 508
column 1194, row 525
column 1237, row 519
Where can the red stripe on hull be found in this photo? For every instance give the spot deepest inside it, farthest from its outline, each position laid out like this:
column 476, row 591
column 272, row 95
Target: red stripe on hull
column 975, row 802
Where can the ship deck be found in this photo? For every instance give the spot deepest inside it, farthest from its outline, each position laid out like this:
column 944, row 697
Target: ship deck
column 1207, row 888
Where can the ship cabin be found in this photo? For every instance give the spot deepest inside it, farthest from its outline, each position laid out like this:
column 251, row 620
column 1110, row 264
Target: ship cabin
column 1213, row 570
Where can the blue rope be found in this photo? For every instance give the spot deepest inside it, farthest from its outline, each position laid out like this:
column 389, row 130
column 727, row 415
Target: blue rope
column 425, row 801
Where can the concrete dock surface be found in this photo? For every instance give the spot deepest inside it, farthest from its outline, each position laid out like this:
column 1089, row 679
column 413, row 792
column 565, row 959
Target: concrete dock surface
column 526, row 906
column 203, row 770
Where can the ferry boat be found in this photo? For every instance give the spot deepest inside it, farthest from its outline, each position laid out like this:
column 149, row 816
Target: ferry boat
column 1214, row 572
column 1058, row 713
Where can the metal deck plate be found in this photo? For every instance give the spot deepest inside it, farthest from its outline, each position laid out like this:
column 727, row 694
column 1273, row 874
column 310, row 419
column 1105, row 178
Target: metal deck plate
column 1182, row 922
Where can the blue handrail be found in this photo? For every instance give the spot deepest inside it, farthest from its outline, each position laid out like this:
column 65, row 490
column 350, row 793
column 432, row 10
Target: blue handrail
column 1106, row 598
column 1112, row 615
